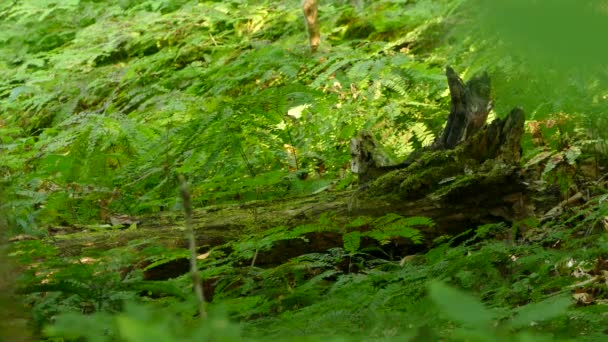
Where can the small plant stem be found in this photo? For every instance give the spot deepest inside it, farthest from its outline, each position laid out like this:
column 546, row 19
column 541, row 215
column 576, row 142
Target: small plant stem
column 255, row 223
column 196, row 279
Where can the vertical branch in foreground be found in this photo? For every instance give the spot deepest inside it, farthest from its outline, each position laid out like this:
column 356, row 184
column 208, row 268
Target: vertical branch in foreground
column 309, row 7
column 255, row 224
column 196, row 279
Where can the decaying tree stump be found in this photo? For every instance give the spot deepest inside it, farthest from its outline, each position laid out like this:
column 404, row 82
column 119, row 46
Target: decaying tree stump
column 471, row 104
column 468, row 176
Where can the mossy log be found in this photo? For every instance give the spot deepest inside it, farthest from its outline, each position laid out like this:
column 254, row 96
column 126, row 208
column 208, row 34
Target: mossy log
column 469, row 176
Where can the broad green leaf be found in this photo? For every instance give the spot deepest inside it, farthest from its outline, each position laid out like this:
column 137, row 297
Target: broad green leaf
column 352, row 241
column 459, row 306
column 541, row 311
column 133, row 330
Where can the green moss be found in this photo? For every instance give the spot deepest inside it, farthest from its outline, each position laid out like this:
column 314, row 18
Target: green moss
column 421, row 177
column 424, row 182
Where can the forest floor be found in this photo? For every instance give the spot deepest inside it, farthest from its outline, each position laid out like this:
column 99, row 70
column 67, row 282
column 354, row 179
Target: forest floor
column 104, row 104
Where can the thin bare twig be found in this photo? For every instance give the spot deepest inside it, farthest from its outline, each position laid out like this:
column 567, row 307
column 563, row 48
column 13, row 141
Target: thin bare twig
column 196, row 279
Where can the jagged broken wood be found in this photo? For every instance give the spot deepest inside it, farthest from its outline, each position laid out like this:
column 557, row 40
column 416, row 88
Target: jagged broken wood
column 470, row 105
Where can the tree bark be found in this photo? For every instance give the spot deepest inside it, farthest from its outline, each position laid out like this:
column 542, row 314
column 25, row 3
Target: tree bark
column 310, row 9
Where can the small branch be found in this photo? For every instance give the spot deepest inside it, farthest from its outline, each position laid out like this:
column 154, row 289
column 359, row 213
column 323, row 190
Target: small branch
column 558, row 209
column 212, row 39
column 196, row 279
column 255, row 224
column 293, row 149
column 310, row 9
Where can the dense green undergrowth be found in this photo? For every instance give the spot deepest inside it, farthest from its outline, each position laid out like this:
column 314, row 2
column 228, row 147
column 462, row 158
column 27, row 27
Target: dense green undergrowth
column 343, row 294
column 127, row 95
column 104, row 103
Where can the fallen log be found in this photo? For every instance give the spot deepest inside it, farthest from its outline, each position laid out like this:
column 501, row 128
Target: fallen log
column 469, row 176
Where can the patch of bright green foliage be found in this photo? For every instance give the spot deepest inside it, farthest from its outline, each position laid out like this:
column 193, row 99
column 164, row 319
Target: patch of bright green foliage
column 507, row 292
column 102, row 103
